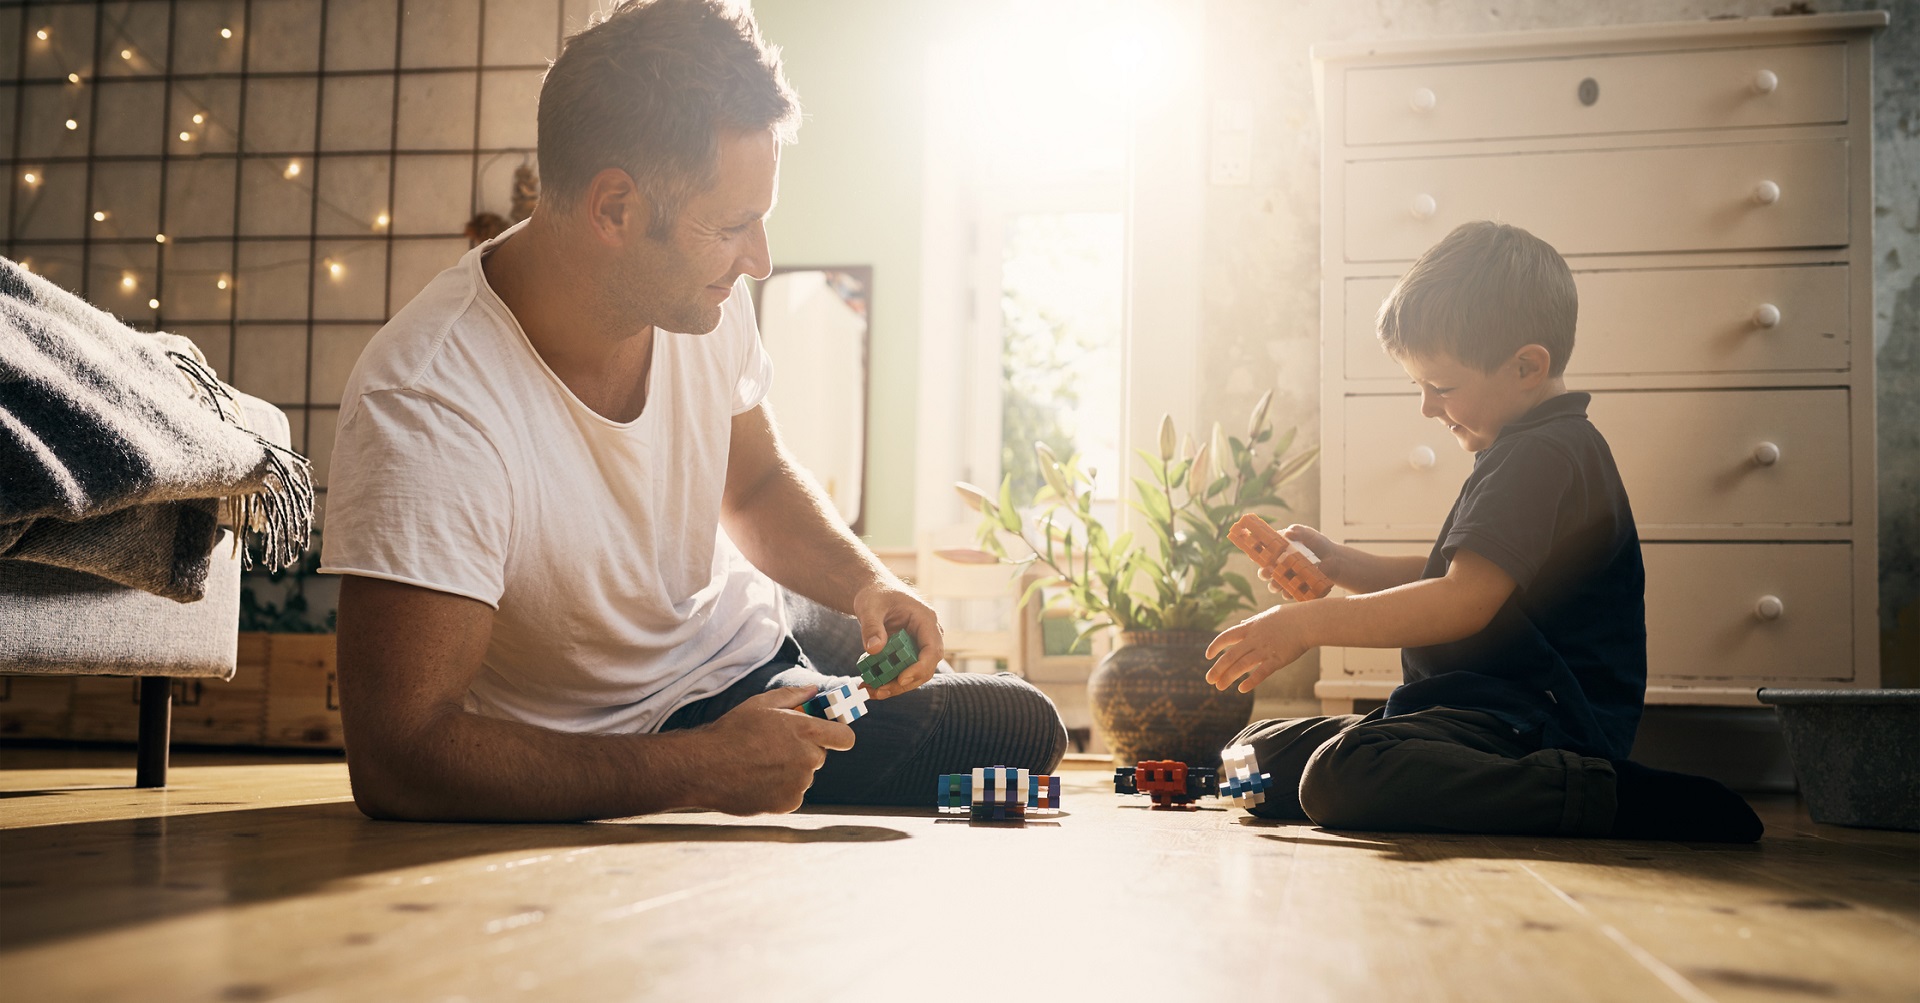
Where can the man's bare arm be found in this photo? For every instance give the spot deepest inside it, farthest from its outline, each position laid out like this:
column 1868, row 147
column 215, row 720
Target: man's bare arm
column 785, row 525
column 407, row 656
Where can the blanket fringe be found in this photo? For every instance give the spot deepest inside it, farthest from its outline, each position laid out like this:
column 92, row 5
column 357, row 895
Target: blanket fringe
column 278, row 518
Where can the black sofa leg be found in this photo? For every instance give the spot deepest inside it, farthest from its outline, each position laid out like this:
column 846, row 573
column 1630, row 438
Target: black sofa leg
column 156, row 725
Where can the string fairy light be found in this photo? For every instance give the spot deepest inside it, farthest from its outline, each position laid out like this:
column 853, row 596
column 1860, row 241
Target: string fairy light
column 99, row 216
column 42, row 34
column 221, row 283
column 293, row 169
column 126, row 54
column 153, row 304
column 380, row 222
column 226, row 33
column 159, row 238
column 185, row 136
column 30, row 178
column 72, row 125
column 73, row 78
column 199, row 118
column 335, row 268
column 127, row 281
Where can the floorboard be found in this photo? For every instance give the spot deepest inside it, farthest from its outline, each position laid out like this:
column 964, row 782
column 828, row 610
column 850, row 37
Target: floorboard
column 254, row 878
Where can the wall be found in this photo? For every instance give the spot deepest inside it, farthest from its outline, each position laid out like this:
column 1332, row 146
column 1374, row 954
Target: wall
column 850, row 195
column 1261, row 325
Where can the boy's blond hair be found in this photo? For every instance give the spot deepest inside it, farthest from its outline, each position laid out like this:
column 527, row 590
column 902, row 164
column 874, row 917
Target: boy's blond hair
column 1481, row 293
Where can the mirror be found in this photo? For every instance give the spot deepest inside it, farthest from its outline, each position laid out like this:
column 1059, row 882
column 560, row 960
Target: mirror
column 814, row 323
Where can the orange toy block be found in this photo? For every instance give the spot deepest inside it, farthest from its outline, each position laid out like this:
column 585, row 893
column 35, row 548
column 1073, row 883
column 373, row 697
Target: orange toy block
column 1293, row 568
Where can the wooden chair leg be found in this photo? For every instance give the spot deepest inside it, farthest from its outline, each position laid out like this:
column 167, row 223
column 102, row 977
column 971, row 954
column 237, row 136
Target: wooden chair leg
column 156, row 726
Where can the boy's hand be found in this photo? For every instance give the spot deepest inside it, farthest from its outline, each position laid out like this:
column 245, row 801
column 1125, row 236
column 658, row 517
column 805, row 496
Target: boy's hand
column 1331, row 556
column 1258, row 647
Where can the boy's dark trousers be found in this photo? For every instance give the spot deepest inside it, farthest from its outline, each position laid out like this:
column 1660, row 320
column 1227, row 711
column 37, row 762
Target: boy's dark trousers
column 1436, row 770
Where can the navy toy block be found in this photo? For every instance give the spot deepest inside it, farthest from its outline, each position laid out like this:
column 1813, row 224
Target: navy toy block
column 1123, row 781
column 880, row 669
column 842, row 702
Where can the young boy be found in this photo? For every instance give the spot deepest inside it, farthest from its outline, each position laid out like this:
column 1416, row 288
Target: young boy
column 1524, row 631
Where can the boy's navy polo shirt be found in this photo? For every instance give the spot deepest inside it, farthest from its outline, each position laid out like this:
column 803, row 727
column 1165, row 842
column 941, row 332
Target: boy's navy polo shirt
column 1566, row 655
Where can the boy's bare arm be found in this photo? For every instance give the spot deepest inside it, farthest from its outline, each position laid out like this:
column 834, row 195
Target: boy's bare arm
column 1428, row 611
column 407, row 656
column 1352, row 568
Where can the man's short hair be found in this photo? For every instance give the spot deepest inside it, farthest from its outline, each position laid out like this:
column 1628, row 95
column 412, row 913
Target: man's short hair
column 648, row 88
column 1481, row 293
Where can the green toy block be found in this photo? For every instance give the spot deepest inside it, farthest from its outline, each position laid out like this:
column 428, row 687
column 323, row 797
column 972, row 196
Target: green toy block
column 879, row 670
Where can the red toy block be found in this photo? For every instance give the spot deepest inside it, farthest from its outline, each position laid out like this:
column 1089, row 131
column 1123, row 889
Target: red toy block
column 1292, row 568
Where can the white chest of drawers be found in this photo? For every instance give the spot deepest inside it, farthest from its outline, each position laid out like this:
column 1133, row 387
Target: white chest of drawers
column 1711, row 186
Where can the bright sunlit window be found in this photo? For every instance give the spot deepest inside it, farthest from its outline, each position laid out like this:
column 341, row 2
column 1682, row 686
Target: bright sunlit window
column 1043, row 103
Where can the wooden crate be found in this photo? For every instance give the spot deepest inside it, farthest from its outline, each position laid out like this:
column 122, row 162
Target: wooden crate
column 35, row 706
column 222, row 712
column 107, row 708
column 303, row 693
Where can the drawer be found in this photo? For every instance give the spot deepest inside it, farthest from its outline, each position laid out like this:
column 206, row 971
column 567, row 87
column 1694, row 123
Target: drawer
column 1692, row 198
column 1651, row 92
column 1688, row 458
column 1707, row 617
column 1706, row 320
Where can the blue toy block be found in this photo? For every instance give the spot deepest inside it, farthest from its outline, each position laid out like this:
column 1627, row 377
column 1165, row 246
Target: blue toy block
column 1243, row 782
column 842, row 702
column 879, row 669
column 955, row 792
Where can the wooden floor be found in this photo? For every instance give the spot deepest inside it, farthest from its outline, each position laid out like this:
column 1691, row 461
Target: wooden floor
column 257, row 880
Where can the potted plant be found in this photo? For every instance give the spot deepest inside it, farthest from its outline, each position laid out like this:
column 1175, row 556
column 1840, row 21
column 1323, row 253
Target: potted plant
column 1165, row 586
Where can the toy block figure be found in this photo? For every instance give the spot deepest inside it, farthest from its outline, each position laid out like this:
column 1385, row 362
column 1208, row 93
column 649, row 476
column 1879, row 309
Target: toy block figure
column 1293, row 569
column 1171, row 784
column 880, row 669
column 842, row 702
column 997, row 793
column 1240, row 776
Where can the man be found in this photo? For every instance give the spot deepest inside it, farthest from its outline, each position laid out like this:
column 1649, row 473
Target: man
column 561, row 504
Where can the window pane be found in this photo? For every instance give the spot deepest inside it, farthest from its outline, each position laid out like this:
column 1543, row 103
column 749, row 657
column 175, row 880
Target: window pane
column 1060, row 304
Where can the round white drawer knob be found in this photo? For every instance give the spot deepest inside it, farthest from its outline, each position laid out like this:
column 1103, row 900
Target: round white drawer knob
column 1766, row 315
column 1423, row 99
column 1423, row 207
column 1422, row 458
column 1766, row 454
column 1766, row 193
column 1769, row 608
column 1765, row 82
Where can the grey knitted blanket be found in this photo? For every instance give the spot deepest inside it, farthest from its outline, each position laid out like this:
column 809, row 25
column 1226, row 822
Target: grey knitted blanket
column 121, row 453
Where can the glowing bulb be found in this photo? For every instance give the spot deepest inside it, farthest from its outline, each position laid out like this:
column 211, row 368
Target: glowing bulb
column 153, row 304
column 293, row 169
column 221, row 283
column 25, row 265
column 41, row 34
column 30, row 178
column 185, row 136
column 72, row 125
column 199, row 118
column 73, row 78
column 382, row 220
column 126, row 53
column 99, row 216
column 159, row 238
column 336, row 269
column 226, row 33
column 127, row 280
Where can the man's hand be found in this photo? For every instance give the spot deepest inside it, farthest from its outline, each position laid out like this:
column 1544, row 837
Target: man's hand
column 1257, row 647
column 885, row 608
column 760, row 756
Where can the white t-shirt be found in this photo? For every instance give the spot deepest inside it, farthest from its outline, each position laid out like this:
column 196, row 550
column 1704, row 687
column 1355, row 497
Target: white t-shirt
column 463, row 464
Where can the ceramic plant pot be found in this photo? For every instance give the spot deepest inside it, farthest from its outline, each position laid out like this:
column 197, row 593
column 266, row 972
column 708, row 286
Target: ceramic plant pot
column 1151, row 699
